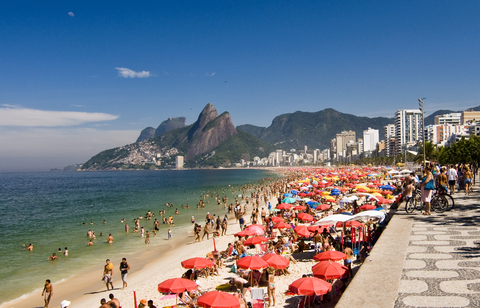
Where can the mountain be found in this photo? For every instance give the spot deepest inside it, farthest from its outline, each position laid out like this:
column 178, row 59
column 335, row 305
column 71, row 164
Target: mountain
column 171, row 123
column 313, row 129
column 212, row 141
column 146, row 134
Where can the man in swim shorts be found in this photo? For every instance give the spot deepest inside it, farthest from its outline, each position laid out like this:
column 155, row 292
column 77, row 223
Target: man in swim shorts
column 47, row 292
column 108, row 274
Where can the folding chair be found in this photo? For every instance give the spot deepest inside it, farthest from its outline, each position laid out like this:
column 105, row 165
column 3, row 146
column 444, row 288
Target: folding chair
column 259, row 297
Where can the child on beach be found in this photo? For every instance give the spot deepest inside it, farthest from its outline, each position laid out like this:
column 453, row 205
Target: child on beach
column 169, row 234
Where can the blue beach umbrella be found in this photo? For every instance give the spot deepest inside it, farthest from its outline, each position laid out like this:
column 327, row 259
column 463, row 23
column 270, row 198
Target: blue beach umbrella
column 289, row 200
column 334, row 193
column 293, row 191
column 288, row 195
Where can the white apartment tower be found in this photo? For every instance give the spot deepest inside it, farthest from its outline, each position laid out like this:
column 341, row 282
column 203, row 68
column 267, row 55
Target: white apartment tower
column 370, row 140
column 408, row 128
column 389, row 131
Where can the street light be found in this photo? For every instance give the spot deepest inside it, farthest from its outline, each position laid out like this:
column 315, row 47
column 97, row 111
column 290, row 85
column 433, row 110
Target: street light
column 420, row 103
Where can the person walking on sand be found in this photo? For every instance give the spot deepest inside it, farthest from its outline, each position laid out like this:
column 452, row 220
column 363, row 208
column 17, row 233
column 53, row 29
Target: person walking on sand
column 108, row 274
column 147, row 238
column 124, row 268
column 169, row 234
column 47, row 292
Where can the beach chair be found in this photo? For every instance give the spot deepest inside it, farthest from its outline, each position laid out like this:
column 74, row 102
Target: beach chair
column 259, row 297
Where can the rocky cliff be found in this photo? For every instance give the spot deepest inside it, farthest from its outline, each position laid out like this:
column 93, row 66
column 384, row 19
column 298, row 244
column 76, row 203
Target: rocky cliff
column 171, row 123
column 211, row 135
column 146, row 134
column 165, row 126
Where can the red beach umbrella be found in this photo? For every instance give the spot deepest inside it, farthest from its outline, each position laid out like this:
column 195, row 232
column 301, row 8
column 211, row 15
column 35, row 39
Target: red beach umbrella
column 330, row 255
column 300, row 207
column 302, row 231
column 252, row 262
column 383, row 201
column 256, row 229
column 218, row 299
column 197, row 263
column 323, row 207
column 305, row 217
column 329, row 270
column 284, row 206
column 276, row 261
column 245, row 233
column 349, row 224
column 177, row 285
column 282, row 225
column 255, row 240
column 310, row 286
column 368, row 207
column 277, row 219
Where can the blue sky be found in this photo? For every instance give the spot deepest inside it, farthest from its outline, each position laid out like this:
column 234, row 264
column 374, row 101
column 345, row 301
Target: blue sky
column 77, row 77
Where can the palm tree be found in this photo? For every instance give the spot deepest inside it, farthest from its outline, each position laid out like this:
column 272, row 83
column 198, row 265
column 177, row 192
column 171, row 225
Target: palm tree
column 431, row 152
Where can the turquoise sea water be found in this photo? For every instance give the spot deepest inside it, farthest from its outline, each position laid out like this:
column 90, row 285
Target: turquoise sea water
column 49, row 209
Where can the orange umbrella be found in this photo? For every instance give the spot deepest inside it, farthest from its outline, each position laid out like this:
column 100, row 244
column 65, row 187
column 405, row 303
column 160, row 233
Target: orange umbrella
column 300, row 207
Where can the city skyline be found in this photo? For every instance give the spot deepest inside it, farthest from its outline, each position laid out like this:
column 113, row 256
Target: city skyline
column 81, row 77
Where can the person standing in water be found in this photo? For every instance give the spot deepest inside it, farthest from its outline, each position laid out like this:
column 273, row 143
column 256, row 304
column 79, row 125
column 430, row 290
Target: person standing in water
column 47, row 292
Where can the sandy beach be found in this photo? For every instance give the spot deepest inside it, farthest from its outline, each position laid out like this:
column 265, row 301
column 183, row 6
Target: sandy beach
column 148, row 270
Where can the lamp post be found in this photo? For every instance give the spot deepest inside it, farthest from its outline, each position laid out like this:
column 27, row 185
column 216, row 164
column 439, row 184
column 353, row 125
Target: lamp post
column 420, row 103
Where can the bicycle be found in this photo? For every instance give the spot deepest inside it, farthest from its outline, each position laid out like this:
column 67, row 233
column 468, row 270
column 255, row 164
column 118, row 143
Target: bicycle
column 439, row 202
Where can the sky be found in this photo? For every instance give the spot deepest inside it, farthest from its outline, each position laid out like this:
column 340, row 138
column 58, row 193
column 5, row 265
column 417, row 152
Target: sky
column 79, row 77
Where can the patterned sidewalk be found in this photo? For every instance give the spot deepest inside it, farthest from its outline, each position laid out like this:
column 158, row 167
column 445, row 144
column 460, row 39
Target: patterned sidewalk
column 442, row 262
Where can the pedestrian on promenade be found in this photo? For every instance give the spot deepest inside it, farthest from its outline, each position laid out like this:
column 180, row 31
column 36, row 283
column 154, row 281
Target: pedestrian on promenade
column 452, row 178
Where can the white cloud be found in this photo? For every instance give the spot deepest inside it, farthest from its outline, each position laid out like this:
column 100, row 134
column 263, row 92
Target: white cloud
column 30, row 149
column 128, row 73
column 70, row 14
column 42, row 118
column 209, row 74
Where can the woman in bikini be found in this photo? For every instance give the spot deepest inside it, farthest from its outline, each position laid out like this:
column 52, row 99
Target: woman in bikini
column 271, row 286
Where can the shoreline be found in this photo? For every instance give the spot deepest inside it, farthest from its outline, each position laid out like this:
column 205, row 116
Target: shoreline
column 89, row 281
column 86, row 290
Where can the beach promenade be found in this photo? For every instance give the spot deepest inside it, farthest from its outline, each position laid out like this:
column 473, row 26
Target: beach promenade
column 423, row 261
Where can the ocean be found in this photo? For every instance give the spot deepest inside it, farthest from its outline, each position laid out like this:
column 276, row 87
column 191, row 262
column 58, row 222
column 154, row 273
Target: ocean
column 55, row 210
